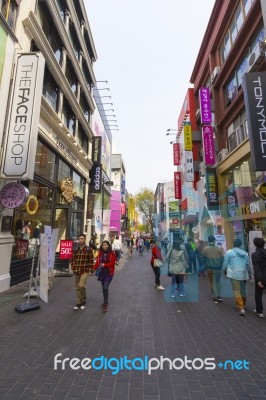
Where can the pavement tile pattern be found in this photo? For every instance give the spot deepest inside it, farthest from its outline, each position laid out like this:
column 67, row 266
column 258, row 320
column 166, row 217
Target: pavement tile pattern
column 141, row 321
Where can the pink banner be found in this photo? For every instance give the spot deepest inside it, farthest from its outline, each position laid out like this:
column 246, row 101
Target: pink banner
column 177, row 185
column 208, row 141
column 205, row 105
column 176, row 153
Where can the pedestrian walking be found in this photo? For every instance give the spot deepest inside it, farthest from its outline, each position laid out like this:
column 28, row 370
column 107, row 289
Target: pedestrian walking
column 236, row 266
column 82, row 267
column 177, row 265
column 259, row 265
column 117, row 247
column 105, row 268
column 213, row 261
column 156, row 255
column 191, row 249
column 141, row 246
column 201, row 269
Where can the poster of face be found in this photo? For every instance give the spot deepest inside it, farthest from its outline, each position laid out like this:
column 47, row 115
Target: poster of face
column 98, row 221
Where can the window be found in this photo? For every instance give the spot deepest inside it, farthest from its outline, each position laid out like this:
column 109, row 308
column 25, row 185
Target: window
column 237, row 132
column 239, row 17
column 85, row 107
column 233, row 31
column 78, row 185
column 241, row 70
column 68, row 117
column 50, row 89
column 64, row 171
column 9, row 9
column 71, row 76
column 61, row 4
column 44, row 162
column 231, row 90
column 83, row 139
column 247, row 5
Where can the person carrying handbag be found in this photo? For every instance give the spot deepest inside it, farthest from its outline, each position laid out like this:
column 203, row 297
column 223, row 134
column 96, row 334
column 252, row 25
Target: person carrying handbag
column 177, row 265
column 155, row 256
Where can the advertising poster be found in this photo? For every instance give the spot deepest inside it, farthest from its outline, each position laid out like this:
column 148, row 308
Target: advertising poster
column 66, row 249
column 98, row 221
column 106, row 221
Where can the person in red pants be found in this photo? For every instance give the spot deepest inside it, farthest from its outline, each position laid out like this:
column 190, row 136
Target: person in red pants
column 156, row 254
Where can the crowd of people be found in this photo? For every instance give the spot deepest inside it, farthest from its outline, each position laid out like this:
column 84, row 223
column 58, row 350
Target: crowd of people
column 181, row 259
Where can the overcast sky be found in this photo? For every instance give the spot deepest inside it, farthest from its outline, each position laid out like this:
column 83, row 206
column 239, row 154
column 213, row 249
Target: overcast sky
column 146, row 51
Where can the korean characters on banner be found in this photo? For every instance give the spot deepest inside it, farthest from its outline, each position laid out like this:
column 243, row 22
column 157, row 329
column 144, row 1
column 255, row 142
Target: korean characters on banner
column 176, row 153
column 177, row 185
column 189, row 171
column 187, row 136
column 205, row 106
column 207, row 133
column 191, row 205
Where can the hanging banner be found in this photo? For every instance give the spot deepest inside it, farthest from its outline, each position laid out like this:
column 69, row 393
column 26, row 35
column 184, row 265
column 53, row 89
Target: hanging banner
column 96, row 149
column 98, row 221
column 176, row 153
column 254, row 87
column 191, row 209
column 205, row 106
column 106, row 221
column 177, row 185
column 207, row 133
column 95, row 179
column 212, row 189
column 187, row 137
column 23, row 119
column 189, row 166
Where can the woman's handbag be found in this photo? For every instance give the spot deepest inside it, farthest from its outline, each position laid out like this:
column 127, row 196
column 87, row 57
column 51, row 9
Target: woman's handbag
column 97, row 271
column 157, row 262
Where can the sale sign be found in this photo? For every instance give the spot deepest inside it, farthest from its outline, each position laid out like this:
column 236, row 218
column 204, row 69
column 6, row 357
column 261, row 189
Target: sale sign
column 66, row 249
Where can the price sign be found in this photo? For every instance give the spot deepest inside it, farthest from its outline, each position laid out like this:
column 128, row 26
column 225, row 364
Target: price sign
column 66, row 249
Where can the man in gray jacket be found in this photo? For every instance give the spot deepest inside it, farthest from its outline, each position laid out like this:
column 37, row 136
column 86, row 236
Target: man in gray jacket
column 213, row 260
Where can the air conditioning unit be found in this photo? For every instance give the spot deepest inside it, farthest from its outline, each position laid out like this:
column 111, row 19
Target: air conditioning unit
column 222, row 154
column 202, row 169
column 215, row 73
column 255, row 57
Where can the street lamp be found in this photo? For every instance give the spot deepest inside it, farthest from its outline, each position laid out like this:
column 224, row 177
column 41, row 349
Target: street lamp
column 107, row 183
column 101, row 97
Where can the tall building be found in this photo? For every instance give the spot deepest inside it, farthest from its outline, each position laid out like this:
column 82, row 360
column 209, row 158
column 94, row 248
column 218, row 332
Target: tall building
column 57, row 60
column 231, row 67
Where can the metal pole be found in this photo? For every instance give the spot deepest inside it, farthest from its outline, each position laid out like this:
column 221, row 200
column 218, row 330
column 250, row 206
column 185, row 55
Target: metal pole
column 102, row 206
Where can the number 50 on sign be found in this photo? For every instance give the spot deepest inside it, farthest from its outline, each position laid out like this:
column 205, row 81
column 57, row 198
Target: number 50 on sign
column 66, row 249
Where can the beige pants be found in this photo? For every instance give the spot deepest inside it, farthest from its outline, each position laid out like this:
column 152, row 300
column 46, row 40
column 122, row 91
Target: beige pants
column 239, row 290
column 80, row 284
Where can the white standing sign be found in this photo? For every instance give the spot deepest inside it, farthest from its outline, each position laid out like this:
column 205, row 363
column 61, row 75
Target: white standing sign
column 23, row 118
column 189, row 169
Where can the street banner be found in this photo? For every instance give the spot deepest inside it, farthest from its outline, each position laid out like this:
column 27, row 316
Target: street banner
column 66, row 249
column 189, row 171
column 98, row 221
column 106, row 221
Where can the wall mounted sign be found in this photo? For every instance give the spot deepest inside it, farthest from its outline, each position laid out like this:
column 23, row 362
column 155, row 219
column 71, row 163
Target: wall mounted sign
column 207, row 133
column 254, row 87
column 212, row 189
column 97, row 149
column 187, row 136
column 261, row 190
column 205, row 106
column 23, row 118
column 176, row 153
column 13, row 195
column 189, row 166
column 177, row 185
column 66, row 187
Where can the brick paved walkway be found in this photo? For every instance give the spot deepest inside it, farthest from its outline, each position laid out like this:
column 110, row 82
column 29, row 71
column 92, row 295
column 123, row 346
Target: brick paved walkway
column 140, row 321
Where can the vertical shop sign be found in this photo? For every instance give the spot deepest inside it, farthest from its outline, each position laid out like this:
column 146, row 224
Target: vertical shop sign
column 191, row 209
column 189, row 166
column 212, row 189
column 254, row 87
column 205, row 106
column 187, row 136
column 97, row 149
column 208, row 141
column 96, row 179
column 177, row 185
column 176, row 153
column 66, row 249
column 23, row 118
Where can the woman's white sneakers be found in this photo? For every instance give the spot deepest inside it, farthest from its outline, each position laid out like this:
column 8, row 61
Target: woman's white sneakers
column 160, row 287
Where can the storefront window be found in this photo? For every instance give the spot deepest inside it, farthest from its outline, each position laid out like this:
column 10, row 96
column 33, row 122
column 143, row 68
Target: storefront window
column 30, row 219
column 44, row 162
column 64, row 171
column 76, row 225
column 78, row 185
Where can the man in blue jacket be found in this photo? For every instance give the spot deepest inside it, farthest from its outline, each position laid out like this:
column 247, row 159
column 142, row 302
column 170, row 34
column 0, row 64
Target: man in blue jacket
column 236, row 265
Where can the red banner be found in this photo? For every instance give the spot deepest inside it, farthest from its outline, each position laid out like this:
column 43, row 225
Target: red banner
column 66, row 249
column 176, row 153
column 177, row 185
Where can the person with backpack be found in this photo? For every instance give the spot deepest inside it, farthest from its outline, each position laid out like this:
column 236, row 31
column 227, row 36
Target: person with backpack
column 105, row 269
column 191, row 249
column 236, row 265
column 177, row 265
column 82, row 267
column 259, row 265
column 117, row 247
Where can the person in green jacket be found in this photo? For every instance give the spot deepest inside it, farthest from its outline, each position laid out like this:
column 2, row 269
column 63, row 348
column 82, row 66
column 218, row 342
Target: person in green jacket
column 213, row 260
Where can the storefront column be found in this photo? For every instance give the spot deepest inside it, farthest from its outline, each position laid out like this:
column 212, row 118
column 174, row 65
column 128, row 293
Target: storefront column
column 6, row 242
column 60, row 103
column 63, row 60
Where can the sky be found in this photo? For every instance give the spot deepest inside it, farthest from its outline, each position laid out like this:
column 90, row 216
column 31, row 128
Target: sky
column 146, row 51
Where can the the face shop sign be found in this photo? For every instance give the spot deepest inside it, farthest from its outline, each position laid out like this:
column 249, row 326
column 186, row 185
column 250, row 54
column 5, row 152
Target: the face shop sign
column 23, row 119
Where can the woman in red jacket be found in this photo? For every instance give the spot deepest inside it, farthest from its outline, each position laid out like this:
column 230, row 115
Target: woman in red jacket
column 156, row 253
column 106, row 263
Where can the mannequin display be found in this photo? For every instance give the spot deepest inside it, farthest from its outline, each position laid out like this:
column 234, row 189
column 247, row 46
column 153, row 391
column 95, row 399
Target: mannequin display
column 26, row 231
column 36, row 233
